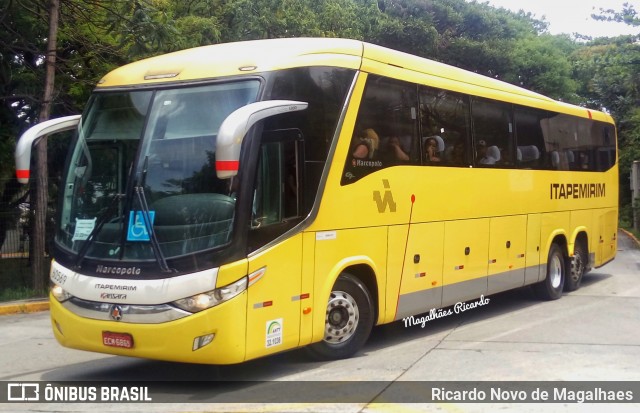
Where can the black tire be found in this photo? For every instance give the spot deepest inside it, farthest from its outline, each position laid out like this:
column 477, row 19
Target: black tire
column 551, row 287
column 578, row 267
column 348, row 322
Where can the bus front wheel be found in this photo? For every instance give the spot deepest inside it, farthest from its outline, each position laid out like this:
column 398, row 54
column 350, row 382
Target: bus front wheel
column 551, row 287
column 348, row 320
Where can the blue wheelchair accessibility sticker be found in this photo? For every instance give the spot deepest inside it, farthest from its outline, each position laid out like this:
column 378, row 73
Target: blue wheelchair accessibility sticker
column 137, row 229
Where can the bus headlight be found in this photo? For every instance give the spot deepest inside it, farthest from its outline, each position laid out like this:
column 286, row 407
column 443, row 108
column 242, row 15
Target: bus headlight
column 59, row 293
column 211, row 298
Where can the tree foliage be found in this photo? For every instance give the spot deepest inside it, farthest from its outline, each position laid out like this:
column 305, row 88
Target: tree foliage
column 627, row 15
column 96, row 36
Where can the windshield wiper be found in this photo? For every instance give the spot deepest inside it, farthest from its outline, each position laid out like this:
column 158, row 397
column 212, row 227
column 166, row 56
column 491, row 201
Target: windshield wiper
column 92, row 235
column 142, row 200
column 155, row 245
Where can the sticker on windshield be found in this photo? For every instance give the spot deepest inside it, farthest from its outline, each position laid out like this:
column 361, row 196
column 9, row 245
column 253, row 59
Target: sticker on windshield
column 274, row 333
column 137, row 229
column 83, row 229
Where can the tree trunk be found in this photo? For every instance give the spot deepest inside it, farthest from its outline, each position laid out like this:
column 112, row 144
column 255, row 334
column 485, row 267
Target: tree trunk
column 39, row 260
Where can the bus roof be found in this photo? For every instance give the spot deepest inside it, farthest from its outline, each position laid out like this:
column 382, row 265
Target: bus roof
column 239, row 58
column 255, row 56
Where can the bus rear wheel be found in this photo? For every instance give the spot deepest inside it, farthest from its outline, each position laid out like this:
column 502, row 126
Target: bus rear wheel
column 551, row 287
column 348, row 320
column 578, row 267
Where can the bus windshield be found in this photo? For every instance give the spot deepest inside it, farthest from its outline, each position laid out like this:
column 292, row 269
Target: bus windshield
column 169, row 135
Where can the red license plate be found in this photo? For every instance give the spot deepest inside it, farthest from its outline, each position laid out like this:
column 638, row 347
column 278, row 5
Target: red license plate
column 122, row 340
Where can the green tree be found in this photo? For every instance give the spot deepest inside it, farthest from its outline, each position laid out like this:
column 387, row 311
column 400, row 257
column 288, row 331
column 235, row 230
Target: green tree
column 541, row 63
column 608, row 69
column 96, row 36
column 627, row 15
column 34, row 52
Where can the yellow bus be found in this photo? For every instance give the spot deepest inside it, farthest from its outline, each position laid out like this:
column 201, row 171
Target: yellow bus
column 232, row 201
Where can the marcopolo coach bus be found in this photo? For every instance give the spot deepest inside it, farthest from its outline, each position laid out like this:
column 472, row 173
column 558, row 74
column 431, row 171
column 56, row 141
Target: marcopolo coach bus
column 232, row 201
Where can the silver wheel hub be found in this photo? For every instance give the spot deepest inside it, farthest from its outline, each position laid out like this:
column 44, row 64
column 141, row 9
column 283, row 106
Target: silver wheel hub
column 555, row 271
column 341, row 318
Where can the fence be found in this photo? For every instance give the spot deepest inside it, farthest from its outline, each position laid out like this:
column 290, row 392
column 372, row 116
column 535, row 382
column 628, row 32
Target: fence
column 635, row 194
column 16, row 217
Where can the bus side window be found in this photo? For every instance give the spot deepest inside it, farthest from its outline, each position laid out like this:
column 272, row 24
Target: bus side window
column 277, row 202
column 493, row 133
column 529, row 137
column 561, row 132
column 444, row 117
column 386, row 129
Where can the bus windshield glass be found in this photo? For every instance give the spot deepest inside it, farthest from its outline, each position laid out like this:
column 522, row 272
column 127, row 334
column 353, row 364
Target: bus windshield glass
column 172, row 133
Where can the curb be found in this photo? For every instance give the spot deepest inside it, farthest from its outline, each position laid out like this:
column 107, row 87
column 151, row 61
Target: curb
column 630, row 235
column 20, row 307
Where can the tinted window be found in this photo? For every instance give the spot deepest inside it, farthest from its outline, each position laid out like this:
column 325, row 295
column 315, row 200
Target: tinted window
column 560, row 135
column 530, row 138
column 504, row 135
column 444, row 120
column 325, row 89
column 386, row 129
column 493, row 133
column 577, row 144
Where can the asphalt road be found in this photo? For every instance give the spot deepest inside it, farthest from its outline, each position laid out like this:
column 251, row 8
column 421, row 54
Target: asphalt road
column 592, row 334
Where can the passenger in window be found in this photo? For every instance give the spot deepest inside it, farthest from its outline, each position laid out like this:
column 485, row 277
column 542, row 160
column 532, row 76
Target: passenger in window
column 432, row 150
column 505, row 157
column 584, row 161
column 485, row 155
column 481, row 152
column 396, row 150
column 457, row 154
column 366, row 144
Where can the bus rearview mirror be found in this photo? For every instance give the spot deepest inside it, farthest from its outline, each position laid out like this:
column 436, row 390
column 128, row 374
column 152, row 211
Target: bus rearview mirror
column 25, row 143
column 237, row 124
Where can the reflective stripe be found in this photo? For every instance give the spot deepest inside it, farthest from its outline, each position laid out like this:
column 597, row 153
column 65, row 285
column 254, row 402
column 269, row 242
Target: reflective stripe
column 227, row 165
column 22, row 173
column 264, row 304
column 300, row 297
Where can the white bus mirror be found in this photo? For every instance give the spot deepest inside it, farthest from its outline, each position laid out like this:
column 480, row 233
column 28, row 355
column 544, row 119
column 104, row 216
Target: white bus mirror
column 25, row 143
column 237, row 124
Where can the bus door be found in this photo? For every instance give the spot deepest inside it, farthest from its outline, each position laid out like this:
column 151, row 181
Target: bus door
column 275, row 269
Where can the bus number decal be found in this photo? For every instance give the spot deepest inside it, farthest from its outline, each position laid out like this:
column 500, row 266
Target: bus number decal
column 273, row 333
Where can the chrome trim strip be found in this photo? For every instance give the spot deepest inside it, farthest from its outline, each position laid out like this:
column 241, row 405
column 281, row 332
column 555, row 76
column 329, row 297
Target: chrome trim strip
column 507, row 280
column 418, row 302
column 532, row 273
column 131, row 313
column 464, row 291
column 422, row 301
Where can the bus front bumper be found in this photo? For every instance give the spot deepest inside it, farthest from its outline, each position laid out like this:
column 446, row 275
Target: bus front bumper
column 183, row 340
